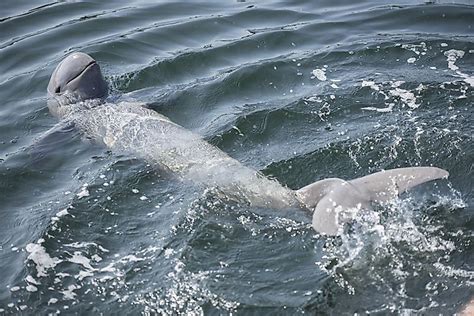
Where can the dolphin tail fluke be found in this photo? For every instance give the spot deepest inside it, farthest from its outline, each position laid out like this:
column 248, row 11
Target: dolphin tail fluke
column 335, row 201
column 311, row 194
column 330, row 199
column 385, row 185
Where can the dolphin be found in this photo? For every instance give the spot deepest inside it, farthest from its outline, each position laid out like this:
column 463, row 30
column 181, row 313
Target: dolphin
column 77, row 94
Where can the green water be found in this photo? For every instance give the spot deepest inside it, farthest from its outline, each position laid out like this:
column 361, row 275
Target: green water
column 301, row 90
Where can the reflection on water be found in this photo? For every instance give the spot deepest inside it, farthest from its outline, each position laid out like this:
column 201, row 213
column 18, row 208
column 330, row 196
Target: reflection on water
column 299, row 90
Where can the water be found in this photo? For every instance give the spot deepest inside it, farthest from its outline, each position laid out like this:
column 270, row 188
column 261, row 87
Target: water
column 297, row 89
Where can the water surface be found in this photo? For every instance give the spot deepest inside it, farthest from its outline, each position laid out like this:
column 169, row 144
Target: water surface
column 301, row 90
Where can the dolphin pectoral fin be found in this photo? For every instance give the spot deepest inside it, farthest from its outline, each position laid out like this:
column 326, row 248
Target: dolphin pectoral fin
column 385, row 185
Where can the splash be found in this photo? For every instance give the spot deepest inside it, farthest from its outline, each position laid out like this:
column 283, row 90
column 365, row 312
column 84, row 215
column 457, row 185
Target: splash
column 184, row 295
column 398, row 244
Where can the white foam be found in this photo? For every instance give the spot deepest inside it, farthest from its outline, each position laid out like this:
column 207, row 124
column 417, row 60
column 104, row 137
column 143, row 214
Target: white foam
column 69, row 293
column 371, row 84
column 452, row 56
column 84, row 274
column 31, row 280
column 452, row 272
column 469, row 80
column 169, row 252
column 84, row 192
column 41, row 258
column 62, row 213
column 96, row 258
column 314, row 99
column 131, row 258
column 109, row 268
column 416, row 48
column 85, row 245
column 59, row 214
column 389, row 108
column 320, row 74
column 405, row 96
column 80, row 259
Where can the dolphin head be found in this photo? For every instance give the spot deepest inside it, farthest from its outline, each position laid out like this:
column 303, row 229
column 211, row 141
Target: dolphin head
column 76, row 78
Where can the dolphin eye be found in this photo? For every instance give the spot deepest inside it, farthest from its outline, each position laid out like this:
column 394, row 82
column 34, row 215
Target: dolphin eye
column 58, row 89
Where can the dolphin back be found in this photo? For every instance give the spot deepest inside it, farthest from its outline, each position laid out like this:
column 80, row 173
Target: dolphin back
column 129, row 127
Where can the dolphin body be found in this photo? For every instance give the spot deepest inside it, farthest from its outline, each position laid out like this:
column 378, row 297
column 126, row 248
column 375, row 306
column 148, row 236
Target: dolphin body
column 76, row 92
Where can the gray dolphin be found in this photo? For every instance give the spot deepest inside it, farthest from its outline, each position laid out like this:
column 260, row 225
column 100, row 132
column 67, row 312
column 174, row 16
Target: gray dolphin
column 77, row 91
